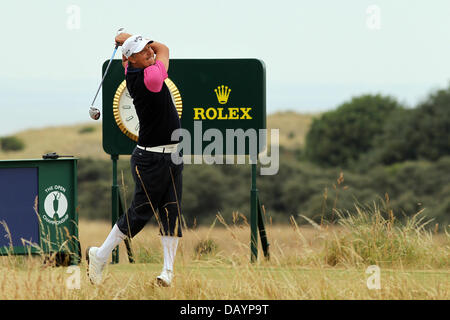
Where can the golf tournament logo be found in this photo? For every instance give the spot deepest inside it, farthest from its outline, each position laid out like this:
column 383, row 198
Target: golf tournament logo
column 230, row 113
column 55, row 205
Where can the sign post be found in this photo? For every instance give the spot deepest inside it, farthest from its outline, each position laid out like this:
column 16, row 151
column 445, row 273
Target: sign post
column 220, row 96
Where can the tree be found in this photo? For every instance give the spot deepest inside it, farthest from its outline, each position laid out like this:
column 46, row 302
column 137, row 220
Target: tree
column 11, row 143
column 341, row 136
column 433, row 122
column 420, row 133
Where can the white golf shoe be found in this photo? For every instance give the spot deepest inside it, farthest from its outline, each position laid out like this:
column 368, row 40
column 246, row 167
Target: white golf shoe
column 165, row 278
column 95, row 265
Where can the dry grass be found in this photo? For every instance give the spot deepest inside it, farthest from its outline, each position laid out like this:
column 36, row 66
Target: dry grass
column 65, row 140
column 293, row 127
column 298, row 269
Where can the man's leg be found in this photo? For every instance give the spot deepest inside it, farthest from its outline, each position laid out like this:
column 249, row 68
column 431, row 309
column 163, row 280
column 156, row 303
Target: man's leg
column 114, row 238
column 170, row 213
column 98, row 257
column 147, row 176
column 140, row 211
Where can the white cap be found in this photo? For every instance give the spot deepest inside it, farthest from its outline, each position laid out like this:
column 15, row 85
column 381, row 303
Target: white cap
column 134, row 44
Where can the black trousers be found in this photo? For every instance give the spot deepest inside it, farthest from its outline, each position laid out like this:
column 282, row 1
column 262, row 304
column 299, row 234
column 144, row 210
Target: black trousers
column 158, row 186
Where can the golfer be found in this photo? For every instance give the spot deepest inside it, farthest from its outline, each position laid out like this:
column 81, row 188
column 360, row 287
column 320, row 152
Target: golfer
column 158, row 181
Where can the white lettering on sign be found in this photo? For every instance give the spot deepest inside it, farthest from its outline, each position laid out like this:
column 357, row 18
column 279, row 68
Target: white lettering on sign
column 234, row 139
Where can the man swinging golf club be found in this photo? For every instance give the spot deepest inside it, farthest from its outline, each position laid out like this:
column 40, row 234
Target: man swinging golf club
column 158, row 181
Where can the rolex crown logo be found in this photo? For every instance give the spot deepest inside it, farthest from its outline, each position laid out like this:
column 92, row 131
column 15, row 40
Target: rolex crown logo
column 222, row 92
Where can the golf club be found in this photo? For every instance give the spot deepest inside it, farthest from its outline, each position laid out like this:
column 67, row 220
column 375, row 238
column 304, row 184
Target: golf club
column 93, row 111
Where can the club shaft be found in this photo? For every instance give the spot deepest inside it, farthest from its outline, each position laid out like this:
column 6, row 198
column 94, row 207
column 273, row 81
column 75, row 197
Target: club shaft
column 104, row 75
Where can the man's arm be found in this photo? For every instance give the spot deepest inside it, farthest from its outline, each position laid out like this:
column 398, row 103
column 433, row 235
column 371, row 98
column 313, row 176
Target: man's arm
column 124, row 62
column 162, row 53
column 120, row 39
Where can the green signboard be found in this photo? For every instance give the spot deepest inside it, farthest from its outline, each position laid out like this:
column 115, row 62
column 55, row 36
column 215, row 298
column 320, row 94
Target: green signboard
column 38, row 201
column 208, row 93
column 213, row 97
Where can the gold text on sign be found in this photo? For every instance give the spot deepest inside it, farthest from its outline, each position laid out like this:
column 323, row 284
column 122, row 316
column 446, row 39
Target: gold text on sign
column 220, row 114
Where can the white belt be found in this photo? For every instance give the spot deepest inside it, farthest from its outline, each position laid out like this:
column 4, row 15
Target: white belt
column 168, row 148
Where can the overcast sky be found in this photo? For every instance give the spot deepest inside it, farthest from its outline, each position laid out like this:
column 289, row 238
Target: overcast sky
column 317, row 53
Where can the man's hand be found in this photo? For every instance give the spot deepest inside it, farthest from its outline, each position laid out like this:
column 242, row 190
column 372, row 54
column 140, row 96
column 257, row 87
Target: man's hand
column 121, row 38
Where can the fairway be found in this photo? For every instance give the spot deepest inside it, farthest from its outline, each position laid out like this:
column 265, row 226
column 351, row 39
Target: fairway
column 211, row 280
column 297, row 270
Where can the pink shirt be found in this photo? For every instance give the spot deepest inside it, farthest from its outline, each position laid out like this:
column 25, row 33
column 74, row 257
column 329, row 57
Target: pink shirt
column 154, row 76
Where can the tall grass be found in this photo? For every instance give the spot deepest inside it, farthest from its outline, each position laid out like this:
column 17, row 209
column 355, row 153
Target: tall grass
column 307, row 262
column 369, row 237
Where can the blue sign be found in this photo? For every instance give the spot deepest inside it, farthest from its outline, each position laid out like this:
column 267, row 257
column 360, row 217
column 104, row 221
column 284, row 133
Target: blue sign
column 18, row 193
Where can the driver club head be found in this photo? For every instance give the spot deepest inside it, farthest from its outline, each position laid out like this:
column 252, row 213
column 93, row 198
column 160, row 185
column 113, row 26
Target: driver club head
column 94, row 113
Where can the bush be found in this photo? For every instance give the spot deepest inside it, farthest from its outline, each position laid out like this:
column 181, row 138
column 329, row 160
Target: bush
column 341, row 136
column 12, row 144
column 298, row 188
column 374, row 236
column 420, row 133
column 87, row 129
column 205, row 248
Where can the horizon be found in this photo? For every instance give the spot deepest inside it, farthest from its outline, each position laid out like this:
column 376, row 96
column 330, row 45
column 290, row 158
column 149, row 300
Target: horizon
column 90, row 122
